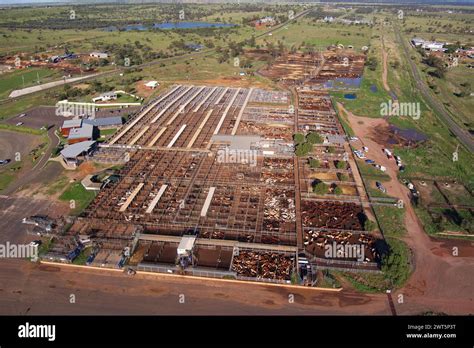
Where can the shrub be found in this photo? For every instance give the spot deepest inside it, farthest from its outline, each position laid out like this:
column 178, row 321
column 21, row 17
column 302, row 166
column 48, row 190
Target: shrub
column 313, row 163
column 341, row 165
column 314, row 138
column 298, row 138
column 320, row 188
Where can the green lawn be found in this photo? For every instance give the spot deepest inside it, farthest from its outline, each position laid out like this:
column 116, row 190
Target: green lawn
column 14, row 80
column 391, row 220
column 5, row 180
column 368, row 171
column 77, row 194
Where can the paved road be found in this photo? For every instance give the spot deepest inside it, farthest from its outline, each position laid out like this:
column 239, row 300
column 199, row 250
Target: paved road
column 463, row 136
column 28, row 90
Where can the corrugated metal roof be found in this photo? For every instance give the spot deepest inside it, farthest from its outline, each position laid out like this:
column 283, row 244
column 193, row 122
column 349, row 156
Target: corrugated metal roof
column 72, row 151
column 105, row 121
column 72, row 123
column 86, row 131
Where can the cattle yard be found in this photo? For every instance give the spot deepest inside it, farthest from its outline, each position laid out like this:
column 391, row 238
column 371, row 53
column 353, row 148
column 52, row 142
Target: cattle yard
column 210, row 185
column 317, row 68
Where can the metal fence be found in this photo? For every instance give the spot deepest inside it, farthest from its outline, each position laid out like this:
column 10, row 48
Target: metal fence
column 198, row 272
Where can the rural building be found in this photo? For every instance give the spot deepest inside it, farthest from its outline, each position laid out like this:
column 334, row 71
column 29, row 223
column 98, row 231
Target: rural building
column 85, row 133
column 428, row 45
column 73, row 154
column 99, row 55
column 105, row 97
column 265, row 22
column 152, row 84
column 105, row 122
column 68, row 125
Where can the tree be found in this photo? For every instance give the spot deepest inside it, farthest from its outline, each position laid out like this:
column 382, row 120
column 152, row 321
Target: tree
column 320, row 187
column 303, row 149
column 313, row 163
column 372, row 63
column 298, row 138
column 337, row 190
column 314, row 138
column 341, row 165
column 395, row 264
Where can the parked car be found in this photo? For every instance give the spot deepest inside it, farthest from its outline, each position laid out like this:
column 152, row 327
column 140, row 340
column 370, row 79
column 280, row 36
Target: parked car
column 388, row 153
column 5, row 162
column 380, row 187
column 19, row 124
column 359, row 154
column 369, row 161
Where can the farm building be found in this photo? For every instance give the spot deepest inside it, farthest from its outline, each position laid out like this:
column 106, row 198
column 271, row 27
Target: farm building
column 105, row 97
column 152, row 84
column 72, row 155
column 84, row 133
column 105, row 122
column 68, row 125
column 99, row 55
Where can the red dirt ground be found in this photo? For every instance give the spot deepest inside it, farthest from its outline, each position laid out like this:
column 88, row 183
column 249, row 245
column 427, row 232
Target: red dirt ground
column 440, row 281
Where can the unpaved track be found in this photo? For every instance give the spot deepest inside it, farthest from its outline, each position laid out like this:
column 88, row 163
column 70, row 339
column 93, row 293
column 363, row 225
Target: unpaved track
column 440, row 281
column 385, row 68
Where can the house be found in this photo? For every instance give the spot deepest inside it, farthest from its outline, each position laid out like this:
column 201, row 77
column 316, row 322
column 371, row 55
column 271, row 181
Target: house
column 68, row 125
column 428, row 45
column 105, row 122
column 417, row 42
column 85, row 133
column 433, row 46
column 266, row 21
column 55, row 59
column 105, row 97
column 152, row 84
column 73, row 154
column 99, row 55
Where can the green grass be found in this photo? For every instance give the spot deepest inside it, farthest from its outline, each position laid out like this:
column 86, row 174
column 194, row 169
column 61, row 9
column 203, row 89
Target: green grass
column 391, row 220
column 105, row 132
column 82, row 258
column 320, row 35
column 21, row 129
column 328, row 280
column 14, row 80
column 368, row 171
column 367, row 282
column 45, row 246
column 81, row 197
column 367, row 102
column 445, row 223
column 397, row 266
column 5, row 180
column 58, row 185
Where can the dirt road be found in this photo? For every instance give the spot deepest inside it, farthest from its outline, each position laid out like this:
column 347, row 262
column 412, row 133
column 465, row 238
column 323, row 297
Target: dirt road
column 440, row 280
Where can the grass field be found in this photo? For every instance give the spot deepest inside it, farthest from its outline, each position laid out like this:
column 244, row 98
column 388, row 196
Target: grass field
column 80, row 197
column 14, row 80
column 320, row 35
